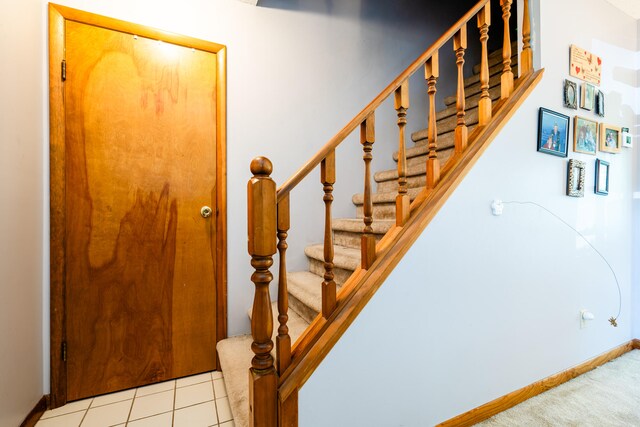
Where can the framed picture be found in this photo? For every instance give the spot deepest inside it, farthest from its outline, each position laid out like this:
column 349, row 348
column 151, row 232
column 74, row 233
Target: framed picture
column 600, row 103
column 587, row 96
column 602, row 177
column 575, row 178
column 626, row 138
column 610, row 138
column 570, row 94
column 553, row 132
column 585, row 135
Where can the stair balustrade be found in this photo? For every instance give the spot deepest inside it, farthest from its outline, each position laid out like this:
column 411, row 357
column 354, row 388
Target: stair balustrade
column 273, row 385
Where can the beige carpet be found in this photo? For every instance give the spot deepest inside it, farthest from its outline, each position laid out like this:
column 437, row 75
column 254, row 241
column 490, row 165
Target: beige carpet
column 606, row 396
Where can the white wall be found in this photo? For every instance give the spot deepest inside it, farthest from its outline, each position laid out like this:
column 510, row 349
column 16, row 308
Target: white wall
column 21, row 209
column 482, row 305
column 636, row 209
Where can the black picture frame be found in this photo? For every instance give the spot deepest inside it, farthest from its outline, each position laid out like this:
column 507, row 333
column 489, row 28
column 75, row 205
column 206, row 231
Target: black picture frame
column 553, row 132
column 599, row 103
column 602, row 177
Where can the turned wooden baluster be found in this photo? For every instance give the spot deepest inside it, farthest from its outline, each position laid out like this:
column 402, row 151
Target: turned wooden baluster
column 368, row 241
column 263, row 379
column 484, row 105
column 283, row 340
column 506, row 81
column 401, row 104
column 526, row 58
column 328, row 178
column 461, row 133
column 431, row 73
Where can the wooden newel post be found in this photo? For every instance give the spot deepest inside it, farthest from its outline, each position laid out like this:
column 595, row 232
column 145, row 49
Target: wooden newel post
column 263, row 379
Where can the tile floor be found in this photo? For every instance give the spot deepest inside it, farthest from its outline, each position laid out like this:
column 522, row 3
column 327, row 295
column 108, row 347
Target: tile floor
column 196, row 401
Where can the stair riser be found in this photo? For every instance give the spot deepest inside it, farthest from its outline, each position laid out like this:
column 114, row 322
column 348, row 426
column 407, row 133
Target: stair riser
column 380, row 211
column 471, row 101
column 412, row 182
column 303, row 310
column 496, row 61
column 472, row 91
column 496, row 69
column 340, row 275
column 349, row 239
column 419, row 160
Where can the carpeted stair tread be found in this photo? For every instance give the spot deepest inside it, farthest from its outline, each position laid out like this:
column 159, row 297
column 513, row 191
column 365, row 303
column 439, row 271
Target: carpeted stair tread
column 392, row 174
column 235, row 359
column 306, row 288
column 354, row 225
column 386, row 197
column 445, row 142
column 472, row 90
column 495, row 59
column 343, row 257
column 471, row 100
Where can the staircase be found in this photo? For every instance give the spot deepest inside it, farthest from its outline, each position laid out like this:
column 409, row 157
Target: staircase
column 304, row 291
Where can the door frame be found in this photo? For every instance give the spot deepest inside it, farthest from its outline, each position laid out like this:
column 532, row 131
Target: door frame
column 58, row 15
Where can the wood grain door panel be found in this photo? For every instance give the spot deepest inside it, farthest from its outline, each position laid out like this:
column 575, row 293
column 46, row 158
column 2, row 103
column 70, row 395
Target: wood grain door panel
column 140, row 122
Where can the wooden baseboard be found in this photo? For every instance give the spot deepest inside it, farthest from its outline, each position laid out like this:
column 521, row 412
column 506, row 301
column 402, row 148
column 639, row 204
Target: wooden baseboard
column 510, row 400
column 35, row 413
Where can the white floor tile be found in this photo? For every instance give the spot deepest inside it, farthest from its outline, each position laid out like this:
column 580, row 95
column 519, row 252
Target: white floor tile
column 202, row 415
column 228, row 424
column 162, row 420
column 224, row 410
column 153, row 404
column 113, row 398
column 107, row 415
column 219, row 388
column 194, row 379
column 68, row 420
column 155, row 388
column 193, row 394
column 68, row 408
column 215, row 375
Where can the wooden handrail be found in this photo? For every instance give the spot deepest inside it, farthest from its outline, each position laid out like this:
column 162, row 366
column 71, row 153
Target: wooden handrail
column 331, row 145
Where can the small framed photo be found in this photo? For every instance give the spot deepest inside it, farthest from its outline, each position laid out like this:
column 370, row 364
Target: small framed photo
column 575, row 178
column 602, row 177
column 570, row 94
column 587, row 96
column 626, row 138
column 553, row 132
column 610, row 138
column 585, row 135
column 600, row 103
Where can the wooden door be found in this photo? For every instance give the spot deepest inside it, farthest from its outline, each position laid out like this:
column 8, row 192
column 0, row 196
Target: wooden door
column 140, row 247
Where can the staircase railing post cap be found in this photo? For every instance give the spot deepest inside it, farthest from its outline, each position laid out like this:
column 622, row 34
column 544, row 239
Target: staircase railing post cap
column 261, row 166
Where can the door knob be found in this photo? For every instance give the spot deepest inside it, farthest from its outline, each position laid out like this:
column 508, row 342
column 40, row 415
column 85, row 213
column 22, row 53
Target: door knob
column 205, row 212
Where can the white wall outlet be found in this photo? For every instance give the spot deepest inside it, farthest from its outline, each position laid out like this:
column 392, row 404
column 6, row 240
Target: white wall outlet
column 585, row 317
column 496, row 207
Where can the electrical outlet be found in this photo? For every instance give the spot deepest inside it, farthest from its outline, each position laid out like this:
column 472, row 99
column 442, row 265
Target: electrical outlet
column 585, row 317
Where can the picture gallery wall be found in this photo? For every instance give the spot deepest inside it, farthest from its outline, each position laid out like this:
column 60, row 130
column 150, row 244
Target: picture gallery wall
column 584, row 132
